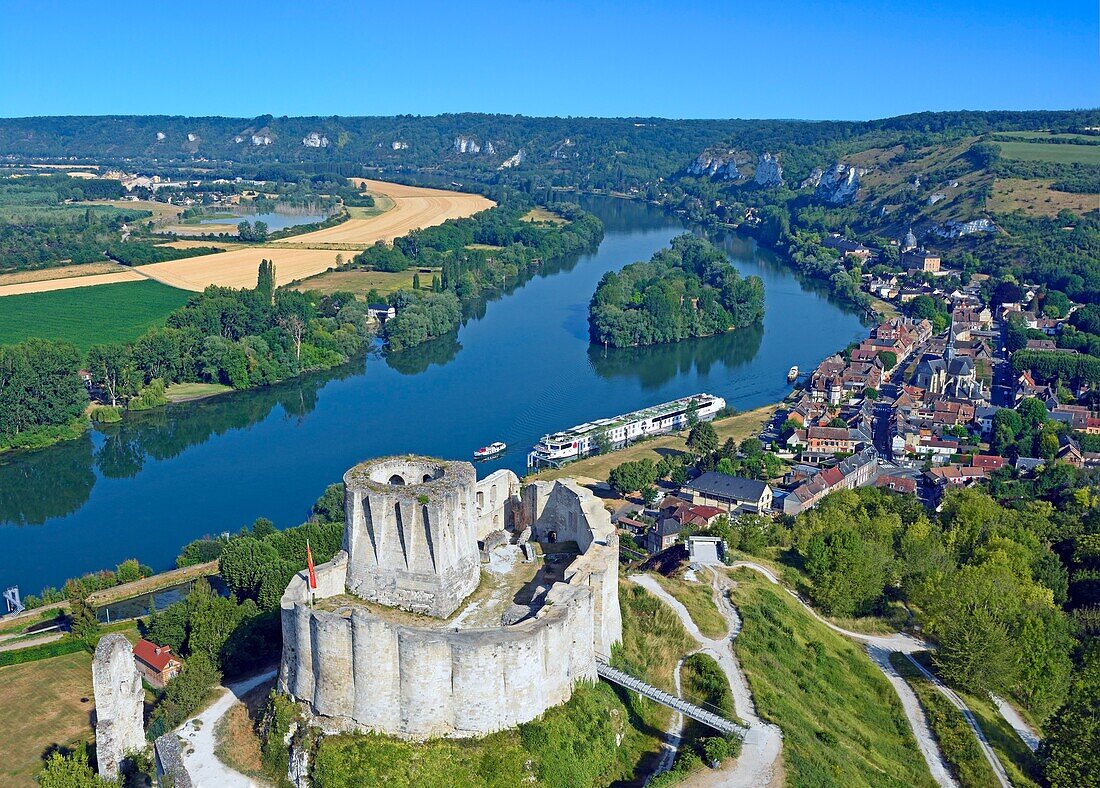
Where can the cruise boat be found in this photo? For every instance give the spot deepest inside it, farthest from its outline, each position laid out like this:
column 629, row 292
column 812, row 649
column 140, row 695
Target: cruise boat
column 792, row 374
column 561, row 447
column 492, row 450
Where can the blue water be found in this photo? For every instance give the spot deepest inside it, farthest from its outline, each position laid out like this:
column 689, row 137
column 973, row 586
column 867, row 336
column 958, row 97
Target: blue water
column 275, row 221
column 520, row 367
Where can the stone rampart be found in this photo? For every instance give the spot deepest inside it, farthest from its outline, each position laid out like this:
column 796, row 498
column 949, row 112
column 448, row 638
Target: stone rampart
column 359, row 668
column 119, row 703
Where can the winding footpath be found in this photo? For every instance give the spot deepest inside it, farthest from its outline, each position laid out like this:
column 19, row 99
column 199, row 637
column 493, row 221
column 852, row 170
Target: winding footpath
column 199, row 735
column 879, row 647
column 756, row 765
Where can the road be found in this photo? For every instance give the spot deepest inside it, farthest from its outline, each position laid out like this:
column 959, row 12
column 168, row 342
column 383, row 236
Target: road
column 200, row 741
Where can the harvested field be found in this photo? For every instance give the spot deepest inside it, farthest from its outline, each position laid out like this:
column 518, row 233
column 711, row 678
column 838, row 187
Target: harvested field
column 196, row 244
column 361, row 282
column 70, row 282
column 301, row 256
column 63, row 272
column 414, row 207
column 238, row 268
column 162, row 212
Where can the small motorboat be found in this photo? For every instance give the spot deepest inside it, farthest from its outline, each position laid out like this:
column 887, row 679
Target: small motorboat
column 492, row 450
column 792, row 375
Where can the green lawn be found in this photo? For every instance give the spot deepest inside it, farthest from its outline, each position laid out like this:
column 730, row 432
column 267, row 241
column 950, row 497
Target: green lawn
column 87, row 316
column 842, row 722
column 698, row 598
column 1058, row 154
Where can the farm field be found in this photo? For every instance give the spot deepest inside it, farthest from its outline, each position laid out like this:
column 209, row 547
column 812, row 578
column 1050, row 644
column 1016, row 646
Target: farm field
column 302, row 256
column 111, row 313
column 68, row 283
column 360, row 282
column 1036, row 198
column 238, row 267
column 64, row 272
column 414, row 207
column 1058, row 154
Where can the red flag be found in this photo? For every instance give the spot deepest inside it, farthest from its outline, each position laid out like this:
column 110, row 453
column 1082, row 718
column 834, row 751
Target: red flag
column 309, row 563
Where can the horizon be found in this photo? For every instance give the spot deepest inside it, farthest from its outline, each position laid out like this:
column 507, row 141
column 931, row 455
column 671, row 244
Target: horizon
column 866, row 60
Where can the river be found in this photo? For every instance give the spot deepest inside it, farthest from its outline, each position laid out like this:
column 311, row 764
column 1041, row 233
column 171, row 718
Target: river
column 519, row 367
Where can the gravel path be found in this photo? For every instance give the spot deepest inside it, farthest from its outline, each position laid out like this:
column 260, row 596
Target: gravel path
column 1028, row 734
column 199, row 739
column 756, row 765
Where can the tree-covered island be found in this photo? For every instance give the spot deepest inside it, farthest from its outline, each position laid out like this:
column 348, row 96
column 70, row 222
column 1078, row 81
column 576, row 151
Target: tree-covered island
column 688, row 290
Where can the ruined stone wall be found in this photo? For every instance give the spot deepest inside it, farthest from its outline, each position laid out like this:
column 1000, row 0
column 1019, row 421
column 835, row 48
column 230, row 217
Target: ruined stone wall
column 494, row 499
column 119, row 703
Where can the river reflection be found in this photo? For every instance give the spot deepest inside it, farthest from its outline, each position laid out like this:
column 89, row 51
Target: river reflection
column 519, row 367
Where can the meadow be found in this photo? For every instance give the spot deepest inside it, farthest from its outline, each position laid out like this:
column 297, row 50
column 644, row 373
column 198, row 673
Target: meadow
column 89, row 315
column 1057, row 154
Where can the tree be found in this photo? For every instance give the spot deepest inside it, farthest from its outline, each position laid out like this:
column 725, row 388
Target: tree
column 692, row 414
column 703, row 439
column 111, row 370
column 602, row 441
column 329, row 508
column 416, row 281
column 259, row 231
column 265, row 282
column 650, row 494
column 888, row 358
column 295, row 327
column 1071, row 748
column 71, row 771
column 631, row 476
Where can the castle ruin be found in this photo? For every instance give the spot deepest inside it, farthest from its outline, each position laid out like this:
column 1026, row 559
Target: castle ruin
column 457, row 607
column 119, row 704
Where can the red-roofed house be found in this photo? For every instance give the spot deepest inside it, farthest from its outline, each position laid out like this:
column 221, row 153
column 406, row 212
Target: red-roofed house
column 988, row 462
column 156, row 663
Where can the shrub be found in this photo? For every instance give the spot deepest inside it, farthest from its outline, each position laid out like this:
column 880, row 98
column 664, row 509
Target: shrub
column 105, row 414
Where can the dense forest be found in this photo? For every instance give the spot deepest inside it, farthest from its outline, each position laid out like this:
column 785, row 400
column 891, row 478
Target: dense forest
column 688, row 290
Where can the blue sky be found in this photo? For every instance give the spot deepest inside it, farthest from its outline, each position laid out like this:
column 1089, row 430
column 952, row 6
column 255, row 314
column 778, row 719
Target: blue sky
column 799, row 59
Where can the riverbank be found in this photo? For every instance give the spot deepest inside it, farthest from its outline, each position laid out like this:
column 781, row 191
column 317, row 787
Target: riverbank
column 738, row 427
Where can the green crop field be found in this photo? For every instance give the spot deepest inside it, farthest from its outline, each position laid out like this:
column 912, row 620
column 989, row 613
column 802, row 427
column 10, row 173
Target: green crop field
column 87, row 316
column 1048, row 152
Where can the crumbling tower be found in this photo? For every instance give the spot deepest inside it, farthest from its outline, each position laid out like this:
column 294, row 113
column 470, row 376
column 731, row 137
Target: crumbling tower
column 410, row 533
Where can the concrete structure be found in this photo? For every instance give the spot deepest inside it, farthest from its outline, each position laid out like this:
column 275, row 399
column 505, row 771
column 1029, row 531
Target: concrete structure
column 119, row 700
column 411, row 541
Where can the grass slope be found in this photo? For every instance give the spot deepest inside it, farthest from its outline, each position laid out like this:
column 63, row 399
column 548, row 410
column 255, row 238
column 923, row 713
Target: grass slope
column 1059, row 154
column 842, row 722
column 89, row 315
column 698, row 598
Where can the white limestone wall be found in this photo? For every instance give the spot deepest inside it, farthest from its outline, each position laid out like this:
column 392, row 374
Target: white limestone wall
column 361, row 671
column 369, row 673
column 493, row 501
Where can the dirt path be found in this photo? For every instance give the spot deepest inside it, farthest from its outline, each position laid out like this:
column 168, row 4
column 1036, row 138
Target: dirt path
column 1027, row 734
column 11, row 644
column 756, row 765
column 199, row 736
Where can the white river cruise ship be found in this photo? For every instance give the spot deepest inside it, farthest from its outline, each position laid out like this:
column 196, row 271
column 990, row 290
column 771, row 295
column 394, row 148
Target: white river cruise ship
column 580, row 441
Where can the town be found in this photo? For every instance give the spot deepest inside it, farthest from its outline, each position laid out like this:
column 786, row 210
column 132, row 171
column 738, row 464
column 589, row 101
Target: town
column 910, row 408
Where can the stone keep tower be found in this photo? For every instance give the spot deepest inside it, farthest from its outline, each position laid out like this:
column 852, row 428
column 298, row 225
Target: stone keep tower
column 410, row 534
column 118, row 703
